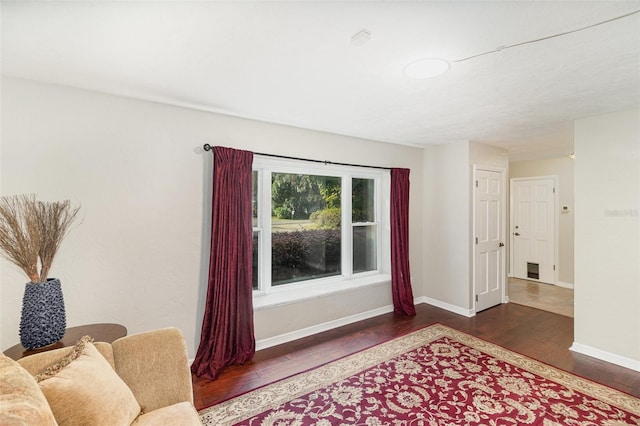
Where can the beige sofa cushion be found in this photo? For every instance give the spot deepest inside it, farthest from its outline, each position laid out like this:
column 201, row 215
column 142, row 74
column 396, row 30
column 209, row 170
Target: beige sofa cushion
column 83, row 389
column 183, row 414
column 21, row 400
column 160, row 357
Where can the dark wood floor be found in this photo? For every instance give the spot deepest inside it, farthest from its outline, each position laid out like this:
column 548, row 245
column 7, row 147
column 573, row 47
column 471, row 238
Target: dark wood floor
column 538, row 334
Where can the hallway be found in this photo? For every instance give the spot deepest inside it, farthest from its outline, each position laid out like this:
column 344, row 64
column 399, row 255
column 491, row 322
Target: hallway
column 547, row 297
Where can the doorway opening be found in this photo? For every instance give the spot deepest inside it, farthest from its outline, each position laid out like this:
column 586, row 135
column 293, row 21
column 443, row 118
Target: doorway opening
column 541, row 234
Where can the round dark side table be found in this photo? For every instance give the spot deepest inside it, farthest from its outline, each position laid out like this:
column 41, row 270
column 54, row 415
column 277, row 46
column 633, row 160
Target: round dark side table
column 100, row 333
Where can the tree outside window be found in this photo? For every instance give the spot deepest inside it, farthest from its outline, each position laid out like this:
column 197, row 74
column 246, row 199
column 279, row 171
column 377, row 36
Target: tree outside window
column 302, row 237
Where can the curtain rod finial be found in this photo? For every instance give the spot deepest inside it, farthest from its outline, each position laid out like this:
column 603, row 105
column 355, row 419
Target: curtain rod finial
column 207, row 147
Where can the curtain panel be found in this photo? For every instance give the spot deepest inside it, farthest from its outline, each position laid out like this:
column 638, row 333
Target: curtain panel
column 227, row 328
column 400, row 273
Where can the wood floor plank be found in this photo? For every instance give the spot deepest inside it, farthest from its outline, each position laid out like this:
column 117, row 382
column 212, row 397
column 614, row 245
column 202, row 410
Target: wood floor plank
column 542, row 335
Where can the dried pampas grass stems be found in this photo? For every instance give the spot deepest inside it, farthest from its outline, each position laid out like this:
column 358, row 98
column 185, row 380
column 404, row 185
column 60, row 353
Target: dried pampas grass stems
column 31, row 232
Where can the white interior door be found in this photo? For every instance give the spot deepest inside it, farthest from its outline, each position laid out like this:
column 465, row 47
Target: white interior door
column 489, row 228
column 533, row 229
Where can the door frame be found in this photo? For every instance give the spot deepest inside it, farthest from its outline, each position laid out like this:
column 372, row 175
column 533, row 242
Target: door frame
column 503, row 231
column 556, row 223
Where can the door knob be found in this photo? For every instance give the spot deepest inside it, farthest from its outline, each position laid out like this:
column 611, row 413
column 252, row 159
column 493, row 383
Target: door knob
column 501, row 245
column 517, row 234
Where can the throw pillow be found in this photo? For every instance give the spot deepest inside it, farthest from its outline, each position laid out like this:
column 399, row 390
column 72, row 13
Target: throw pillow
column 83, row 389
column 21, row 400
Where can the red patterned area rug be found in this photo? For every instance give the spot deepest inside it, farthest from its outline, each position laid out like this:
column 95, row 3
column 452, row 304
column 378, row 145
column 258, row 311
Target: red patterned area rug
column 434, row 376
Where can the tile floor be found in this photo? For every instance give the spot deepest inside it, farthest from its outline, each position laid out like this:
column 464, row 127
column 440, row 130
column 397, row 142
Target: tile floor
column 547, row 297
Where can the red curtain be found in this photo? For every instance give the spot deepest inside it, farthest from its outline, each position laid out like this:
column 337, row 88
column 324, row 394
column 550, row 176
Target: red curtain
column 400, row 273
column 227, row 328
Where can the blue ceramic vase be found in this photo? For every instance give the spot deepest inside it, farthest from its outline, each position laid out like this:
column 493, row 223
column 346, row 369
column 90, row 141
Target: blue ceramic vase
column 43, row 320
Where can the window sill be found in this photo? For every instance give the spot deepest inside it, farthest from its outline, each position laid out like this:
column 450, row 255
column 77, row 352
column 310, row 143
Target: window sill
column 322, row 288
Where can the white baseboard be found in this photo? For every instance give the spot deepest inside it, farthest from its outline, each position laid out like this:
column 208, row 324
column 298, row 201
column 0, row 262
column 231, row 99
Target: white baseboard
column 419, row 300
column 304, row 332
column 564, row 285
column 449, row 307
column 632, row 364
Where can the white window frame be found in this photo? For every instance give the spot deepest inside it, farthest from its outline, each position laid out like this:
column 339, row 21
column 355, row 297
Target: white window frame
column 267, row 295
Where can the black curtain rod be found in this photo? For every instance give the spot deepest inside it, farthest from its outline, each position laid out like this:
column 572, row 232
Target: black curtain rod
column 208, row 147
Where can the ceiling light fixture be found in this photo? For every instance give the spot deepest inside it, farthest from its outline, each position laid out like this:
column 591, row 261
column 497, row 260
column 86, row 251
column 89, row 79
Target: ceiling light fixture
column 426, row 68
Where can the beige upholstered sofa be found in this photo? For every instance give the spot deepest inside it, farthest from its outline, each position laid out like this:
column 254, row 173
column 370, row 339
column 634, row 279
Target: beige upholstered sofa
column 142, row 379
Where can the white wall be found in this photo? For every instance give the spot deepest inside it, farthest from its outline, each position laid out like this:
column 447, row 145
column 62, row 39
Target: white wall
column 607, row 237
column 486, row 155
column 447, row 226
column 140, row 255
column 448, row 171
column 563, row 167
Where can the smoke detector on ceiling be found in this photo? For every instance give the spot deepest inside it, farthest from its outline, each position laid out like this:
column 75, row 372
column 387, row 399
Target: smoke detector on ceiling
column 361, row 37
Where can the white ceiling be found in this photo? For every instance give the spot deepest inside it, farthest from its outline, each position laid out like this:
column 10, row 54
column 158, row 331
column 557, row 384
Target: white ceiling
column 293, row 63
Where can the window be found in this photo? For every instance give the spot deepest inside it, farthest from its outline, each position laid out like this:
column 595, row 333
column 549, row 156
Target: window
column 364, row 225
column 316, row 226
column 305, row 227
